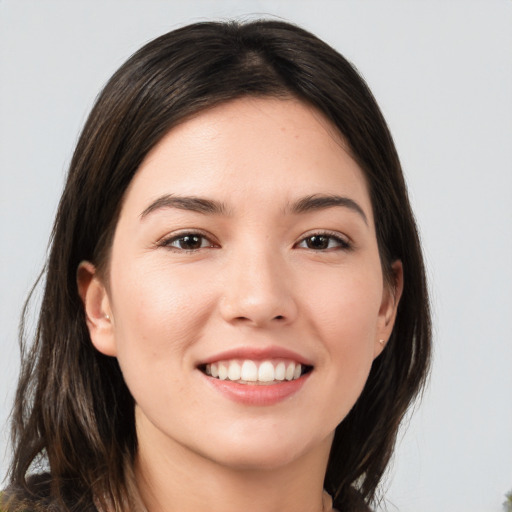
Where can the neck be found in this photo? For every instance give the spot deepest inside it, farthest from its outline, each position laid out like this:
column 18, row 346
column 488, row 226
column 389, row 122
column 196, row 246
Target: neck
column 175, row 479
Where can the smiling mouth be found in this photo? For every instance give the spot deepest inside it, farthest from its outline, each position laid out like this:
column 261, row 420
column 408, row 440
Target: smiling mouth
column 248, row 371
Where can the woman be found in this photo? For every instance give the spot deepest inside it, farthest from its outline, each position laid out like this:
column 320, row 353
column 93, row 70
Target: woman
column 235, row 313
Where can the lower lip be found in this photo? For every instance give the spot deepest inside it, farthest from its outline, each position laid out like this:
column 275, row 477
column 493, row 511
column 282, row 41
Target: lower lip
column 251, row 394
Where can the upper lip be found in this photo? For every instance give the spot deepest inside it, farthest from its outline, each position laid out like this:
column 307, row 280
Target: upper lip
column 257, row 354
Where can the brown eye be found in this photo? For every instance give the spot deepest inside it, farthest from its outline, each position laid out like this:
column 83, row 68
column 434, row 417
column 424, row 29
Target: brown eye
column 323, row 242
column 187, row 242
column 190, row 242
column 317, row 242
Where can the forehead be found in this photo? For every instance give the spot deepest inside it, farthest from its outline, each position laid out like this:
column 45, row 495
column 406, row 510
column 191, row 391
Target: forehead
column 271, row 150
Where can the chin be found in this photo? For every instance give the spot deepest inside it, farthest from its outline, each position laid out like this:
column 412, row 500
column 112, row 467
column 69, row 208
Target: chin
column 258, row 460
column 269, row 451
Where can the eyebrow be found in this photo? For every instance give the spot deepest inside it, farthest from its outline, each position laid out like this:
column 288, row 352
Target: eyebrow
column 190, row 203
column 321, row 202
column 212, row 207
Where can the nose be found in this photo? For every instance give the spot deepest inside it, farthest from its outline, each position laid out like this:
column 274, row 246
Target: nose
column 257, row 291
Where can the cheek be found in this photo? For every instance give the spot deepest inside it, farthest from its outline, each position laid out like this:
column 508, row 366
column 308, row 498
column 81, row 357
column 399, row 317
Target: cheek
column 157, row 313
column 158, row 316
column 345, row 306
column 345, row 314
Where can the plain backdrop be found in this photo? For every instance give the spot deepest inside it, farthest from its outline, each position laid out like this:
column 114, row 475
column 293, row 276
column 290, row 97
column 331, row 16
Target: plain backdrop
column 442, row 73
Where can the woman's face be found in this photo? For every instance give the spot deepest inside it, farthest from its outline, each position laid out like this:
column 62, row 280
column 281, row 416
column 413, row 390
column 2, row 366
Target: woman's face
column 245, row 299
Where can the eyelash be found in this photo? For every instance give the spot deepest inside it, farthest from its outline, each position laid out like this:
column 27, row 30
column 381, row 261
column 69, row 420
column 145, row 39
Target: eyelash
column 167, row 242
column 341, row 243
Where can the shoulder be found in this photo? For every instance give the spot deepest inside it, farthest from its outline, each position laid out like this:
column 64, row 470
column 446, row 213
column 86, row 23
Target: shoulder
column 12, row 502
column 32, row 495
column 35, row 495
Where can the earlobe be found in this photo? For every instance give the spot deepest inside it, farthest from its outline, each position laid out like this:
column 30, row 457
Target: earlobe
column 389, row 307
column 97, row 309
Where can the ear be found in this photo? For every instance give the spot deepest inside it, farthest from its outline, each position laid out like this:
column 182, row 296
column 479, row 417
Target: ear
column 98, row 313
column 389, row 306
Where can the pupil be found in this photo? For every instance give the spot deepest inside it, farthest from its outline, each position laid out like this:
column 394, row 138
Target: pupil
column 318, row 242
column 190, row 242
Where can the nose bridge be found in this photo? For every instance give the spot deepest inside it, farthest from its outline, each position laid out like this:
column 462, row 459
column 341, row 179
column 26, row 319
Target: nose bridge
column 257, row 290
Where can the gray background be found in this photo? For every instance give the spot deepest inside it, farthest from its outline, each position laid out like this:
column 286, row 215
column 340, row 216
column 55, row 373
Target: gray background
column 442, row 73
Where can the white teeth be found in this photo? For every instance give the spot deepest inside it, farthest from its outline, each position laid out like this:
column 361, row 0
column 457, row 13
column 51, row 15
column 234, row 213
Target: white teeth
column 247, row 371
column 266, row 372
column 223, row 371
column 281, row 371
column 290, row 370
column 234, row 371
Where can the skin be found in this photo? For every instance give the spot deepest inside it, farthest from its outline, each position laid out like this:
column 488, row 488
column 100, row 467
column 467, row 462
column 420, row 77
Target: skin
column 256, row 280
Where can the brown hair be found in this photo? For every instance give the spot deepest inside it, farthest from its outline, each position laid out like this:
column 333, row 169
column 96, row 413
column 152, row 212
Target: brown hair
column 73, row 410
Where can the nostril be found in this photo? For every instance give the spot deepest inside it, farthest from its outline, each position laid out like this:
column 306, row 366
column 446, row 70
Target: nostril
column 279, row 317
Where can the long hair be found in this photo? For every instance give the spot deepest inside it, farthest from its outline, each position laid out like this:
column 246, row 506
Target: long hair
column 73, row 410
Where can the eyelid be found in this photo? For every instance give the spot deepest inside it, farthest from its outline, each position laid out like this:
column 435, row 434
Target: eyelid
column 166, row 240
column 345, row 243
